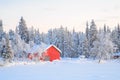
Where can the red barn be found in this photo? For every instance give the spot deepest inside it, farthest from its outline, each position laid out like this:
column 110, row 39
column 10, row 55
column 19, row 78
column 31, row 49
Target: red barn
column 45, row 53
column 51, row 53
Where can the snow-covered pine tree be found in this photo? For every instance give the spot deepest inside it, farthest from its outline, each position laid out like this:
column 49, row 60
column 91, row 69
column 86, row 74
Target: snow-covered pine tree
column 81, row 44
column 118, row 32
column 18, row 46
column 11, row 35
column 105, row 28
column 1, row 36
column 7, row 51
column 54, row 36
column 49, row 39
column 75, row 43
column 87, row 30
column 92, row 36
column 67, row 43
column 31, row 36
column 116, row 37
column 44, row 37
column 86, row 51
column 2, row 43
column 37, row 38
column 1, row 30
column 92, row 33
column 23, row 31
column 103, row 46
column 86, row 42
column 60, row 37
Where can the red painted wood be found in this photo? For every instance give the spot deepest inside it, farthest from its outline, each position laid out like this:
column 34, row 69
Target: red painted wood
column 53, row 53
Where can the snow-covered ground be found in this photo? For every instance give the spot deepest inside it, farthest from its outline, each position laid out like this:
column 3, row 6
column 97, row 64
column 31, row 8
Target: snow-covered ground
column 65, row 69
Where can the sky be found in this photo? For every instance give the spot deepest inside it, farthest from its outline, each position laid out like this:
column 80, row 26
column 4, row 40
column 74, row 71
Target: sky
column 47, row 14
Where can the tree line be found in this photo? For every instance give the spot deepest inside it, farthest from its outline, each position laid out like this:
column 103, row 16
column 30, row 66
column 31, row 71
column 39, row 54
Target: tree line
column 93, row 43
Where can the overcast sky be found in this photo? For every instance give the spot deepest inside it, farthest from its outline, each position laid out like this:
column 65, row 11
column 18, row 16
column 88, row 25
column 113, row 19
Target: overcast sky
column 46, row 14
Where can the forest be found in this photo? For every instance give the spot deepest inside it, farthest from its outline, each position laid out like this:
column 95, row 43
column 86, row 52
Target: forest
column 93, row 43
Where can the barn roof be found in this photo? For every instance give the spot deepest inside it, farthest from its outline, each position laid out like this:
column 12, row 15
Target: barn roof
column 54, row 47
column 38, row 48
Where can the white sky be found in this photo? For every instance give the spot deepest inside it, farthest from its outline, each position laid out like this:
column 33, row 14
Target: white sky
column 46, row 14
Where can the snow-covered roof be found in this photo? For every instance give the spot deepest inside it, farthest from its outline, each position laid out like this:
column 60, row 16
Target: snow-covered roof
column 54, row 47
column 41, row 48
column 38, row 48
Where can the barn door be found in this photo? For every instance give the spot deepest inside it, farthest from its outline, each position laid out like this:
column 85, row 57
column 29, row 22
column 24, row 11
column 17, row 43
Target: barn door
column 47, row 58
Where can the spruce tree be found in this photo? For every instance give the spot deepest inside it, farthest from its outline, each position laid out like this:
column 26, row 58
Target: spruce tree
column 37, row 38
column 23, row 31
column 7, row 51
column 1, row 30
column 92, row 33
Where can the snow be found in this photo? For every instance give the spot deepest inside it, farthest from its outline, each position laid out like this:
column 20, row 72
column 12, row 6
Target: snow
column 38, row 48
column 116, row 54
column 54, row 47
column 65, row 69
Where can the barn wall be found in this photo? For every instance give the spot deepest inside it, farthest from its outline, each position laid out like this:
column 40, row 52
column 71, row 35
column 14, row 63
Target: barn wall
column 53, row 53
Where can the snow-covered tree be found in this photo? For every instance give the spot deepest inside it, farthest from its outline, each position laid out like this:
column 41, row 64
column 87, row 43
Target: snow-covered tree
column 2, row 43
column 86, row 42
column 1, row 30
column 75, row 43
column 81, row 44
column 49, row 37
column 37, row 38
column 116, row 37
column 103, row 47
column 87, row 30
column 92, row 33
column 60, row 39
column 23, row 31
column 11, row 35
column 31, row 34
column 7, row 51
column 67, row 44
column 91, row 36
column 85, row 48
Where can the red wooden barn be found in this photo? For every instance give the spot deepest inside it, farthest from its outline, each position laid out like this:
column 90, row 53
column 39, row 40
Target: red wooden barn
column 51, row 53
column 48, row 53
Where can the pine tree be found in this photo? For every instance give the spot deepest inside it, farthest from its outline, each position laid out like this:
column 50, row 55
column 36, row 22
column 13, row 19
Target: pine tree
column 81, row 44
column 23, row 31
column 60, row 40
column 7, row 51
column 92, row 33
column 105, row 28
column 11, row 35
column 87, row 30
column 1, row 30
column 75, row 43
column 37, row 38
column 116, row 37
column 31, row 34
column 50, row 37
column 103, row 47
column 86, row 42
column 86, row 51
column 2, row 43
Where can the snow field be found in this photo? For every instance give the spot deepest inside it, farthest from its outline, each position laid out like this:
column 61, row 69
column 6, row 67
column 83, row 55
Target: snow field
column 65, row 69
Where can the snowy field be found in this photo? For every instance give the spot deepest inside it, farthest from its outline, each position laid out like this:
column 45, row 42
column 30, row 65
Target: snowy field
column 66, row 69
